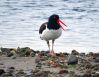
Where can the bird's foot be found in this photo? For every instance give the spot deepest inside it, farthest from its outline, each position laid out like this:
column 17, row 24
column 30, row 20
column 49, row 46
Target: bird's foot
column 52, row 53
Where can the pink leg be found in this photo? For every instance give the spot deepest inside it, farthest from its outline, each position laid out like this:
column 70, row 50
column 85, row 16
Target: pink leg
column 52, row 52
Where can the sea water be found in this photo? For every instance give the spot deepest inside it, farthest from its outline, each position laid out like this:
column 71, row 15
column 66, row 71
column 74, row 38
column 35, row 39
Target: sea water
column 20, row 21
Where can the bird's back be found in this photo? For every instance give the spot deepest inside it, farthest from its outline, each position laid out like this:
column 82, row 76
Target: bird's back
column 42, row 28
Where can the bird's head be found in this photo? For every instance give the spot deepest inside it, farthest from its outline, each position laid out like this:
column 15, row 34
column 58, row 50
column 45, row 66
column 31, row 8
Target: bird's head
column 54, row 19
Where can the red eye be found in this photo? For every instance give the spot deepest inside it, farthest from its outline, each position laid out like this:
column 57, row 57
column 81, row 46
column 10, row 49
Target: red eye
column 54, row 17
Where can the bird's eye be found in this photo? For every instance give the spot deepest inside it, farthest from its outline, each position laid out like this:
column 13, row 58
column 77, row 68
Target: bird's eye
column 54, row 17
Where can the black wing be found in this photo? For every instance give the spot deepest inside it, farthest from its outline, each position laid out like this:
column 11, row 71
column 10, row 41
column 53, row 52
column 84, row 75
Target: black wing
column 42, row 28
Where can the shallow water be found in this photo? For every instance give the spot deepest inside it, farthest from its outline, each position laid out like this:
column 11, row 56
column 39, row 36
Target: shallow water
column 20, row 21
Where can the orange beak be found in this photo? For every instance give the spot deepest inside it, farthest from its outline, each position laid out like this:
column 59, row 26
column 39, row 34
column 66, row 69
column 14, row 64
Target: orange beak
column 61, row 23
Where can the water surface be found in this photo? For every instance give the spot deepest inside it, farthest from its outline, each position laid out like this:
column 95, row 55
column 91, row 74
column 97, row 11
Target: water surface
column 20, row 21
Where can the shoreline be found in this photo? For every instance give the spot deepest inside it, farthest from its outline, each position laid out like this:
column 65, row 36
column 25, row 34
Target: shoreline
column 27, row 62
column 63, row 50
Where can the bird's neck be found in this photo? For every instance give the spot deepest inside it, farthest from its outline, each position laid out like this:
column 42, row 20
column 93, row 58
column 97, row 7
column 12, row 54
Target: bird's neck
column 52, row 25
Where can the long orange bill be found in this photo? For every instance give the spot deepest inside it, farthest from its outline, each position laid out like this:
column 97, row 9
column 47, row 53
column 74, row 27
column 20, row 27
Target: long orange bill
column 60, row 23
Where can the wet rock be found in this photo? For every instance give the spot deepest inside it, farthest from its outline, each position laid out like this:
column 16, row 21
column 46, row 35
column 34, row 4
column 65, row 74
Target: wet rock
column 10, row 71
column 74, row 52
column 58, row 54
column 53, row 75
column 96, row 74
column 35, row 71
column 43, row 53
column 87, row 75
column 96, row 60
column 5, row 51
column 79, row 75
column 66, row 54
column 37, row 60
column 20, row 73
column 96, row 57
column 46, row 73
column 88, row 72
column 63, row 72
column 40, row 73
column 39, row 65
column 72, row 59
column 62, row 65
column 91, row 53
column 96, row 67
column 88, row 66
column 11, row 53
column 62, row 55
column 33, row 53
column 72, row 74
column 26, row 51
column 2, row 71
column 82, row 54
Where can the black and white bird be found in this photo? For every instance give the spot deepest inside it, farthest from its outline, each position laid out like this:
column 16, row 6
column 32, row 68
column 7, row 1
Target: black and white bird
column 51, row 30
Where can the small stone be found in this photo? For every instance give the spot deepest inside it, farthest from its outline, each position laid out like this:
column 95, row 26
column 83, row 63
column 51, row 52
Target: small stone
column 79, row 75
column 97, row 74
column 72, row 74
column 82, row 54
column 46, row 73
column 10, row 71
column 40, row 73
column 35, row 71
column 53, row 75
column 11, row 53
column 5, row 50
column 88, row 72
column 63, row 72
column 88, row 66
column 96, row 68
column 74, row 52
column 87, row 75
column 2, row 71
column 21, row 72
column 72, row 59
column 97, row 60
column 96, row 57
column 26, row 51
column 39, row 65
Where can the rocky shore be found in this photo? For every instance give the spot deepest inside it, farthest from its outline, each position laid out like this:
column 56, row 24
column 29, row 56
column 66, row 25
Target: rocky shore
column 26, row 62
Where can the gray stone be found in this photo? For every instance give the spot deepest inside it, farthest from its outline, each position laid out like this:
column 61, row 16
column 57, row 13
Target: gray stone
column 97, row 74
column 63, row 72
column 2, row 71
column 74, row 52
column 10, row 71
column 72, row 59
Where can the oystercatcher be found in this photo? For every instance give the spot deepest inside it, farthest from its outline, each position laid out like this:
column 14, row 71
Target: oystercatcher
column 51, row 30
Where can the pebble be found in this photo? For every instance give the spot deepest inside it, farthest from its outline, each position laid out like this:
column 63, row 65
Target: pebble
column 41, row 61
column 2, row 71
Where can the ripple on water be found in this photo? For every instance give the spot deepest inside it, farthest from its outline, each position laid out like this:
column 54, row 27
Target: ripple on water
column 21, row 19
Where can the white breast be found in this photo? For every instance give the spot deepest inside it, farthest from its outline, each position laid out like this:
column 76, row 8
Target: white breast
column 51, row 34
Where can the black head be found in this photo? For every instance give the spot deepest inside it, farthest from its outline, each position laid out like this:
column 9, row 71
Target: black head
column 54, row 22
column 54, row 18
